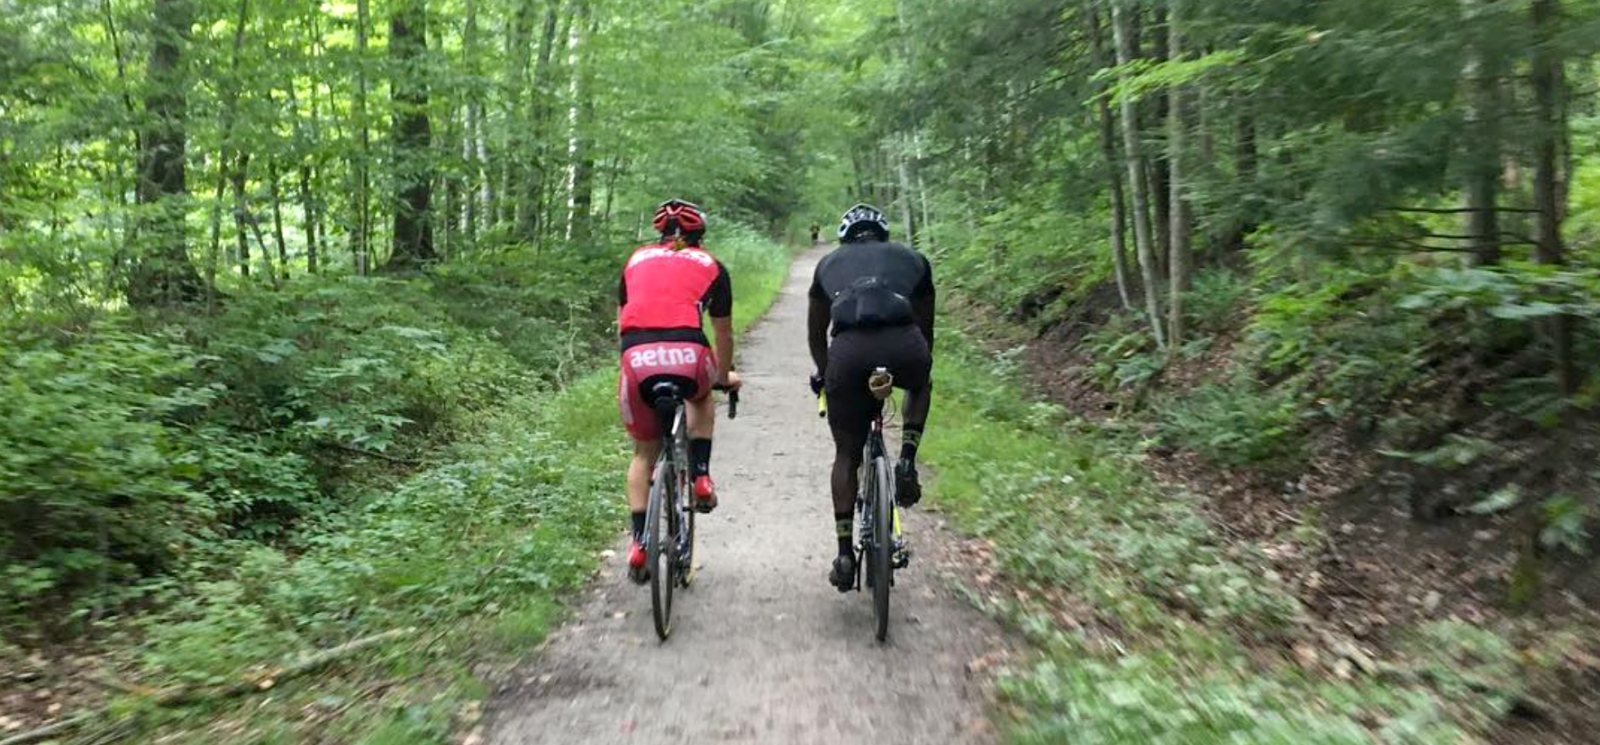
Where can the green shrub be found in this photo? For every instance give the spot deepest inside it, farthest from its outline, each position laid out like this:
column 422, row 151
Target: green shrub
column 1069, row 511
column 94, row 489
column 1024, row 251
column 1208, row 696
column 1123, row 353
column 1216, row 302
column 1239, row 422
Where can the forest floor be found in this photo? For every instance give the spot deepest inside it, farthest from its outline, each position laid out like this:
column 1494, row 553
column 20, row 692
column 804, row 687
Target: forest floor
column 764, row 650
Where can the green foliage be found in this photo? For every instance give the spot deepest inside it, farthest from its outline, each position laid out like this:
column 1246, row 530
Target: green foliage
column 1240, row 422
column 1468, row 662
column 1515, row 291
column 1123, row 353
column 1216, row 304
column 95, row 488
column 1145, row 77
column 1067, row 508
column 1201, row 697
column 1046, row 502
column 1024, row 251
column 495, row 531
column 129, row 450
column 1565, row 524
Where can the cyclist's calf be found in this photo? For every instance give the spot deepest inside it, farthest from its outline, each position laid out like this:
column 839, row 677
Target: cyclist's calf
column 846, row 469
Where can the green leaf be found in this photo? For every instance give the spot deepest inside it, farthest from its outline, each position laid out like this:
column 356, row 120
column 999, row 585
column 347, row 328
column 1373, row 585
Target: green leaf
column 1502, row 499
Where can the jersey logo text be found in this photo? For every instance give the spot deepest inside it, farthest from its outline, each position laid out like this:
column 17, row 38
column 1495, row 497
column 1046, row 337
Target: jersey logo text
column 695, row 255
column 659, row 357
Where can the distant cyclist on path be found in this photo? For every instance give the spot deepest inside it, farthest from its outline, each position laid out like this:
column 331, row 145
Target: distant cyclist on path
column 877, row 298
column 661, row 295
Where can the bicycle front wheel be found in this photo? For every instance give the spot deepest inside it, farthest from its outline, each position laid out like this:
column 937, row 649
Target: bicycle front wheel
column 881, row 555
column 661, row 548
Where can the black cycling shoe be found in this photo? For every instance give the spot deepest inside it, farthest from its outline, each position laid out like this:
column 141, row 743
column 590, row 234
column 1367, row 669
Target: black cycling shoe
column 843, row 575
column 907, row 490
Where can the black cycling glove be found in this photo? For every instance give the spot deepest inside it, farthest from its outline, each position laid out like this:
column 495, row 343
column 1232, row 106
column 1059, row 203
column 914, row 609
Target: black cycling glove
column 816, row 385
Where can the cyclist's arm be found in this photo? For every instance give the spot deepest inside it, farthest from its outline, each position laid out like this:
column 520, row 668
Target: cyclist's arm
column 817, row 320
column 722, row 328
column 622, row 300
column 719, row 305
column 922, row 303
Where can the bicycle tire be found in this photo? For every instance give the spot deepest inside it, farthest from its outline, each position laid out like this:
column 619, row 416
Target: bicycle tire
column 686, row 572
column 661, row 547
column 882, row 545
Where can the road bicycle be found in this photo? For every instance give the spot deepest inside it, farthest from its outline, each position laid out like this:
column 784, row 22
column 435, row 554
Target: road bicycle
column 669, row 518
column 880, row 550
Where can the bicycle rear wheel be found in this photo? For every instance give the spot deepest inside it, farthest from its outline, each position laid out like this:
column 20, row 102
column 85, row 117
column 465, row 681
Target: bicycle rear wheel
column 685, row 541
column 661, row 546
column 881, row 555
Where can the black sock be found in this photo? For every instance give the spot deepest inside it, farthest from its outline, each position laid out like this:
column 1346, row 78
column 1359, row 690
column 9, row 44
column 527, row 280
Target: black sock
column 843, row 528
column 699, row 456
column 910, row 438
column 638, row 526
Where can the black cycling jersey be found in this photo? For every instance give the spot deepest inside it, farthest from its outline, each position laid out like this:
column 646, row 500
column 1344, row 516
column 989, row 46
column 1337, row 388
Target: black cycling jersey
column 872, row 284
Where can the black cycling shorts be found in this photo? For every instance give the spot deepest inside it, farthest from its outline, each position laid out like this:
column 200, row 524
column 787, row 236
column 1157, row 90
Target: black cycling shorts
column 851, row 359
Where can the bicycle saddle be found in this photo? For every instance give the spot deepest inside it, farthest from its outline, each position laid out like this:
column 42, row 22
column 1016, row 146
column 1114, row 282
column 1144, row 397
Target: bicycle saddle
column 664, row 390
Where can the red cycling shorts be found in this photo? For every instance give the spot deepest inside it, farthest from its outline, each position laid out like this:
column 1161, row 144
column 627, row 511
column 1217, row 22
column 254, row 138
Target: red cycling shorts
column 692, row 366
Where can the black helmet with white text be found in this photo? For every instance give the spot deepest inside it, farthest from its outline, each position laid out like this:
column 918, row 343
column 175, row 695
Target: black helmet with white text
column 862, row 221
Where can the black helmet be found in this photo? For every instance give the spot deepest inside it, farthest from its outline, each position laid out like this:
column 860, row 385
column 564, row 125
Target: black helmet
column 862, row 219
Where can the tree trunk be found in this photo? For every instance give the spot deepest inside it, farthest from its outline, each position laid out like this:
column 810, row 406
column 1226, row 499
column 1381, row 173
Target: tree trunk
column 164, row 274
column 214, row 254
column 1160, row 166
column 513, row 139
column 1245, row 165
column 236, row 176
column 614, row 171
column 1545, row 76
column 582, row 152
column 475, row 184
column 1178, row 230
column 360, row 236
column 1136, row 178
column 1108, row 151
column 553, row 177
column 907, row 210
column 277, row 215
column 408, row 47
column 308, row 214
column 1481, row 143
column 531, row 195
column 308, row 218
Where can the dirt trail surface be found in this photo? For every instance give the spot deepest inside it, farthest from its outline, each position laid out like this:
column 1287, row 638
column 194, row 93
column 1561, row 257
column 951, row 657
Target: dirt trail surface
column 763, row 649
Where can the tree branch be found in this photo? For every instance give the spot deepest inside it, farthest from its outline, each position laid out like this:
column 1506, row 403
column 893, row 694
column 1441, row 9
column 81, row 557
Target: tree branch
column 1457, row 210
column 374, row 454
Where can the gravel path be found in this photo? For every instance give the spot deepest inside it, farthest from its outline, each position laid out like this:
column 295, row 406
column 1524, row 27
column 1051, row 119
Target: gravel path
column 763, row 649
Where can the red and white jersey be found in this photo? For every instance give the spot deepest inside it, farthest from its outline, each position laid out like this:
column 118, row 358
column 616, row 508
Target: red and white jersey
column 667, row 288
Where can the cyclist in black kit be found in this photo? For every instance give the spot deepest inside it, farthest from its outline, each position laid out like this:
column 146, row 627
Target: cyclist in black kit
column 878, row 299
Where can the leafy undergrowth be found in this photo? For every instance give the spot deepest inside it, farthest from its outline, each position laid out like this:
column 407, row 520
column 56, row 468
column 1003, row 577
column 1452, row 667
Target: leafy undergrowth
column 1152, row 627
column 441, row 572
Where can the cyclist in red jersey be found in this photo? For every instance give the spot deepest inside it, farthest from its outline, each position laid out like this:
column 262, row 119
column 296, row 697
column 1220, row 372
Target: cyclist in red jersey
column 663, row 291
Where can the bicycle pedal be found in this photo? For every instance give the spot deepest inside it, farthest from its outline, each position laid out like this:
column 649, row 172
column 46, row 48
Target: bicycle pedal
column 902, row 559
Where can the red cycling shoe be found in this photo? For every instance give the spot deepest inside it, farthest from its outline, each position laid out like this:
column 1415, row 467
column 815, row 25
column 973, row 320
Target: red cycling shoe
column 638, row 562
column 705, row 494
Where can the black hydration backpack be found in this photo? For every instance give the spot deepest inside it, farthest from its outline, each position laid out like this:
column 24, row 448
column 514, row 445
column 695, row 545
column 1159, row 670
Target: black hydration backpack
column 869, row 303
